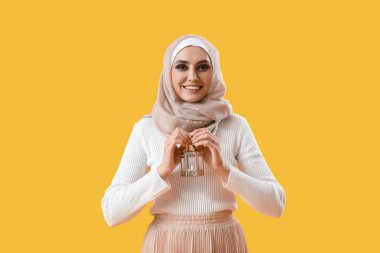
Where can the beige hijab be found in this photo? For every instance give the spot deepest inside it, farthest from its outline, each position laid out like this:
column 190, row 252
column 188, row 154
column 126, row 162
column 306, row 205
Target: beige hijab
column 170, row 111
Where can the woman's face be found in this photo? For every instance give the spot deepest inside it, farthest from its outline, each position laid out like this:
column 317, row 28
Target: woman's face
column 192, row 73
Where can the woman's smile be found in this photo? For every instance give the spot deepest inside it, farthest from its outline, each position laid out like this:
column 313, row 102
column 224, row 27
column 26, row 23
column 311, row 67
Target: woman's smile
column 192, row 89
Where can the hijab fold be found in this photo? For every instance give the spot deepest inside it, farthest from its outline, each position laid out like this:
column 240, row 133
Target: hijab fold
column 170, row 111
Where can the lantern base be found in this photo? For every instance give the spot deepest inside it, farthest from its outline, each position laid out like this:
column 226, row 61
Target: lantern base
column 192, row 173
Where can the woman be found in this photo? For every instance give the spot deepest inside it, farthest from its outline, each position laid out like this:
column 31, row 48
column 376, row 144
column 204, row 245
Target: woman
column 192, row 214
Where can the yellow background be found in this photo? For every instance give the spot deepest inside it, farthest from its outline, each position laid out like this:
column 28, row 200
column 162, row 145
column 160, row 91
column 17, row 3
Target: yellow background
column 76, row 75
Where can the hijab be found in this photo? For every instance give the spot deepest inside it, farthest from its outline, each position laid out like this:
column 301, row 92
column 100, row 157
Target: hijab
column 170, row 111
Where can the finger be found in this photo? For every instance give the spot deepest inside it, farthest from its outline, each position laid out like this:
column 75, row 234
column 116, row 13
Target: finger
column 188, row 137
column 197, row 130
column 201, row 131
column 185, row 137
column 200, row 136
column 206, row 143
column 183, row 133
column 204, row 136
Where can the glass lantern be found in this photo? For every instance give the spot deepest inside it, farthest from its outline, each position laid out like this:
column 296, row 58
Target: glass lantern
column 192, row 164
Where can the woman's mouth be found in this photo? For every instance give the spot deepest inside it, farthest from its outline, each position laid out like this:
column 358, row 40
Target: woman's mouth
column 192, row 88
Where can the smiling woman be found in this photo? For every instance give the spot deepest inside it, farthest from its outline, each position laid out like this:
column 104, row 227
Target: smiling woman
column 192, row 214
column 192, row 74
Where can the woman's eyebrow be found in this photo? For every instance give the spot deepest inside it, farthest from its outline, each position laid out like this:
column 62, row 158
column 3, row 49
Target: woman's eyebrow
column 186, row 62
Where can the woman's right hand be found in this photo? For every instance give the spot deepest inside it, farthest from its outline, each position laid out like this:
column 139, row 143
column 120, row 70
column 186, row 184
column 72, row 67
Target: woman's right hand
column 172, row 153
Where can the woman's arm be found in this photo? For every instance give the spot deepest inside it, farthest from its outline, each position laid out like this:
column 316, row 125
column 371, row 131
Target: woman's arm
column 254, row 181
column 132, row 188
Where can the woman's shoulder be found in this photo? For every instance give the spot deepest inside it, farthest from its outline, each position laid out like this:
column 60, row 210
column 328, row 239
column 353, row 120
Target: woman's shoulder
column 145, row 121
column 235, row 118
column 235, row 123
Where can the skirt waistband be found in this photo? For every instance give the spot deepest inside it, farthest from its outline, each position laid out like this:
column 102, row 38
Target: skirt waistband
column 216, row 217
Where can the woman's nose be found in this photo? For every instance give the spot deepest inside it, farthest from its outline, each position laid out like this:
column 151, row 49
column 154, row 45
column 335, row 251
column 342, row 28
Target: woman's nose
column 193, row 76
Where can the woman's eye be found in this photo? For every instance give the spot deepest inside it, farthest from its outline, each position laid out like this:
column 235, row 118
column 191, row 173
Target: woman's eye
column 180, row 66
column 205, row 66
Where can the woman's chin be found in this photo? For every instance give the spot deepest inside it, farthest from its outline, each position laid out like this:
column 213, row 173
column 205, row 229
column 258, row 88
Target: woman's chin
column 192, row 98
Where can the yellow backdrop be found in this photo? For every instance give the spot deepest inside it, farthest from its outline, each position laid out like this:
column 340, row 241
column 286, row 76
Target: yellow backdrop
column 76, row 75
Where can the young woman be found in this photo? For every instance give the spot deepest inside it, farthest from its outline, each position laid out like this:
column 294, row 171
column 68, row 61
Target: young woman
column 192, row 214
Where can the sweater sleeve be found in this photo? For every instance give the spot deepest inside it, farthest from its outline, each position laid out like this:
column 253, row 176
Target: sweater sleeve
column 254, row 181
column 132, row 188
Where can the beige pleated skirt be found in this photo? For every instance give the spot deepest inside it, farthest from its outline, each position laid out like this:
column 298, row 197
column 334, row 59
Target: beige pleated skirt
column 217, row 232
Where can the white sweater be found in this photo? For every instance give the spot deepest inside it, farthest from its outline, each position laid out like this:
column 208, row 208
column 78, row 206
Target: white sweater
column 250, row 177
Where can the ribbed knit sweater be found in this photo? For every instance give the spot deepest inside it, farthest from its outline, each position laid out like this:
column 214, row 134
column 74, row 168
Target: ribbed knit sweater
column 133, row 186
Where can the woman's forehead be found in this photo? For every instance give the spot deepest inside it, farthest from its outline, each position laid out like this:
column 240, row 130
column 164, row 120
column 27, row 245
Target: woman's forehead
column 192, row 54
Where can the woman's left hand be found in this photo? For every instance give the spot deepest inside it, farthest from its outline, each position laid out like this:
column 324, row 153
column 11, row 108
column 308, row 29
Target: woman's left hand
column 206, row 141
